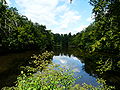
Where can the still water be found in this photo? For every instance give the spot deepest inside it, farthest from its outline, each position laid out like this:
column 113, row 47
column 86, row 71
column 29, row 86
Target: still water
column 75, row 64
column 83, row 65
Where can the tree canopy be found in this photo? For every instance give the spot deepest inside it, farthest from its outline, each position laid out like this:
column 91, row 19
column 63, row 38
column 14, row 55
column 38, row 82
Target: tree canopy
column 103, row 34
column 17, row 32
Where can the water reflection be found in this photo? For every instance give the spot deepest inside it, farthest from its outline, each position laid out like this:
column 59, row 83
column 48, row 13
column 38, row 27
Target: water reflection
column 10, row 66
column 73, row 63
column 89, row 65
column 82, row 63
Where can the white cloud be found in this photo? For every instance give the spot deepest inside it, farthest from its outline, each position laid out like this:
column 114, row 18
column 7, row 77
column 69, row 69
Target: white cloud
column 91, row 18
column 67, row 22
column 55, row 14
column 75, row 58
column 8, row 2
column 63, row 61
column 72, row 30
column 79, row 29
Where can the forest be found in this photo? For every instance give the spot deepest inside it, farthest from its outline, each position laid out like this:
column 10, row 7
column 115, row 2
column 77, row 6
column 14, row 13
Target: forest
column 18, row 33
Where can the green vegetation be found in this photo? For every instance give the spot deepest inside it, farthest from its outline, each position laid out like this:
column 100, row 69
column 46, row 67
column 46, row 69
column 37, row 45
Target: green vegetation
column 62, row 40
column 19, row 33
column 103, row 35
column 51, row 77
column 40, row 77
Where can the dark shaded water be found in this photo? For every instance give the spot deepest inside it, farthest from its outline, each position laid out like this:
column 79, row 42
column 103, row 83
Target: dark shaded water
column 81, row 63
column 10, row 66
column 85, row 65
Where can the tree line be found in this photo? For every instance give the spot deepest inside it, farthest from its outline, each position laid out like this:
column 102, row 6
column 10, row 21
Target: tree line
column 62, row 40
column 104, row 33
column 18, row 33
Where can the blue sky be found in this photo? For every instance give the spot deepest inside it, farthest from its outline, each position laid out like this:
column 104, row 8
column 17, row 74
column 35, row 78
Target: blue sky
column 58, row 15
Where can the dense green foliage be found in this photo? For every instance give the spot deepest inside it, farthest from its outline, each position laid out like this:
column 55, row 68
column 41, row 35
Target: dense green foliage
column 63, row 40
column 50, row 78
column 17, row 32
column 104, row 34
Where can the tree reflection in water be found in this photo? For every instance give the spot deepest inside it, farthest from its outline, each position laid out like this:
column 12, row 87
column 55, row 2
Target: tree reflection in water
column 98, row 65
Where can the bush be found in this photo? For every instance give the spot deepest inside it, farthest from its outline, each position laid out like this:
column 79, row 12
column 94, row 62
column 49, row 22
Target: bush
column 51, row 77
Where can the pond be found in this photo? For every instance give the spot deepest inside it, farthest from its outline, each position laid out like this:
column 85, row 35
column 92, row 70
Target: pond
column 75, row 64
column 10, row 66
column 87, row 65
column 83, row 65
